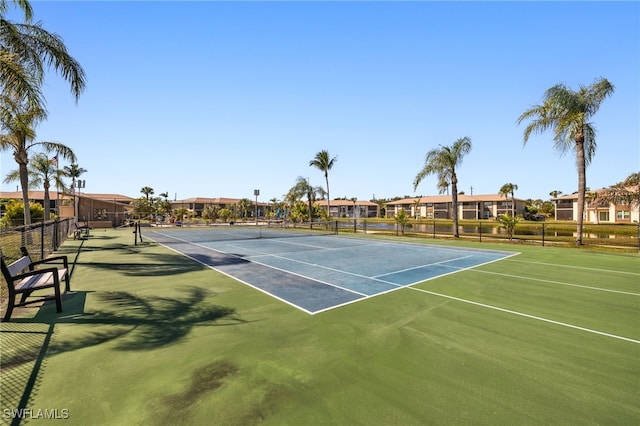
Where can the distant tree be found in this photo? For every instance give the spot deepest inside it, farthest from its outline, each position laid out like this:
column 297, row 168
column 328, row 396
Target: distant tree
column 568, row 113
column 323, row 162
column 416, row 205
column 625, row 193
column 402, row 218
column 74, row 172
column 547, row 208
column 443, row 162
column 211, row 212
column 555, row 193
column 508, row 223
column 509, row 189
column 302, row 189
column 147, row 191
column 142, row 207
column 245, row 206
column 225, row 214
column 14, row 211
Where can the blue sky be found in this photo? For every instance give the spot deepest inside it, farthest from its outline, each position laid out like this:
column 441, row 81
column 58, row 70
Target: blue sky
column 216, row 99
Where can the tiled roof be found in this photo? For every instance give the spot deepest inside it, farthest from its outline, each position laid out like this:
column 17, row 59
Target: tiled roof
column 462, row 198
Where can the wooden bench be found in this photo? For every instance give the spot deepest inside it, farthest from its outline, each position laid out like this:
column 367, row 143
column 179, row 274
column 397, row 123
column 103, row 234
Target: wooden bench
column 78, row 231
column 25, row 276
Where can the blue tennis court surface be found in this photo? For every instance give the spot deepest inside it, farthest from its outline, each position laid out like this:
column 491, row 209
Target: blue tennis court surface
column 318, row 273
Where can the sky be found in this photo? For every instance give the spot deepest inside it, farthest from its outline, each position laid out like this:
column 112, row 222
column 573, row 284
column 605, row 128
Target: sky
column 217, row 99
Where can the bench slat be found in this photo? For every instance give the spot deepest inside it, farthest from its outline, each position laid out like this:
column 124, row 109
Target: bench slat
column 19, row 265
column 35, row 281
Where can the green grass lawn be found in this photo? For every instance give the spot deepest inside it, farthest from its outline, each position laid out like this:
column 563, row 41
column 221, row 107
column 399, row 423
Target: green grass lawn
column 151, row 337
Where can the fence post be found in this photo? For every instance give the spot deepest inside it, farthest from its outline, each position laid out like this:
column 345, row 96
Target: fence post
column 42, row 240
column 543, row 234
column 480, row 230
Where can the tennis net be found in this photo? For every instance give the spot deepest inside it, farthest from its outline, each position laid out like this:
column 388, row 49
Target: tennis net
column 242, row 231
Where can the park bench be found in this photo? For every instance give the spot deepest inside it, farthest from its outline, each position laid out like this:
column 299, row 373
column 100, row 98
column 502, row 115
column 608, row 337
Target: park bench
column 25, row 276
column 80, row 231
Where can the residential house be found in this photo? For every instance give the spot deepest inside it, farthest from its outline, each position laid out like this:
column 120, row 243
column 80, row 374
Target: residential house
column 196, row 205
column 96, row 210
column 470, row 207
column 595, row 211
column 350, row 208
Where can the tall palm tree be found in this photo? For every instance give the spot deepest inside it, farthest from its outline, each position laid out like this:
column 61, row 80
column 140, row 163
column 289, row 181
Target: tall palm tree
column 27, row 51
column 43, row 171
column 74, row 172
column 19, row 137
column 568, row 113
column 510, row 189
column 443, row 162
column 323, row 162
column 147, row 191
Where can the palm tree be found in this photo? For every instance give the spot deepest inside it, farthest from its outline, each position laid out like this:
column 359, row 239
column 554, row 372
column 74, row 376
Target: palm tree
column 443, row 163
column 301, row 189
column 555, row 193
column 510, row 189
column 324, row 163
column 74, row 172
column 626, row 193
column 244, row 207
column 147, row 191
column 19, row 137
column 41, row 172
column 26, row 52
column 567, row 114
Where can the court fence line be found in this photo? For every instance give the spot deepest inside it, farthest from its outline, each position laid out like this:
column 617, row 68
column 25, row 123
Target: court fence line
column 543, row 234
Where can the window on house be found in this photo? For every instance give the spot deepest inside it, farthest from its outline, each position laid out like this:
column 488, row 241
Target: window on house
column 623, row 214
column 603, row 216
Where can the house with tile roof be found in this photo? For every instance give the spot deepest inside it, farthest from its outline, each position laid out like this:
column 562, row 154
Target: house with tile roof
column 95, row 210
column 470, row 207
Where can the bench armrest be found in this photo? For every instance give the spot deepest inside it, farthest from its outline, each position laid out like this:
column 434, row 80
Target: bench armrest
column 55, row 259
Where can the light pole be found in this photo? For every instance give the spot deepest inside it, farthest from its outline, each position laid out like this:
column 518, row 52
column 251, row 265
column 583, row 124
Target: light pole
column 256, row 192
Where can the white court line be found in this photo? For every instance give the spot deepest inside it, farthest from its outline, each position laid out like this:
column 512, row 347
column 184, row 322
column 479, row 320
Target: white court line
column 608, row 271
column 559, row 283
column 564, row 324
column 423, row 266
column 262, row 264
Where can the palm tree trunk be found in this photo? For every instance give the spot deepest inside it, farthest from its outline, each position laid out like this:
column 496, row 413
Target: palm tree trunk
column 47, row 201
column 454, row 198
column 326, row 178
column 582, row 185
column 24, row 183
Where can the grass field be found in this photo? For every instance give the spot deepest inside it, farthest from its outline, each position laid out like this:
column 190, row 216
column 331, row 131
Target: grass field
column 551, row 336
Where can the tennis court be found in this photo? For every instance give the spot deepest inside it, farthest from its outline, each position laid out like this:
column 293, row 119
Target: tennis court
column 313, row 271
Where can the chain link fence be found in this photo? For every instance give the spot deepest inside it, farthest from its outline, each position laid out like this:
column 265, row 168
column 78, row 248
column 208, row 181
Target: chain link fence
column 606, row 236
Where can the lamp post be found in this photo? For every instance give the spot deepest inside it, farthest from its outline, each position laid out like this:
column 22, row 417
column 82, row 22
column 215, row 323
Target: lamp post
column 256, row 192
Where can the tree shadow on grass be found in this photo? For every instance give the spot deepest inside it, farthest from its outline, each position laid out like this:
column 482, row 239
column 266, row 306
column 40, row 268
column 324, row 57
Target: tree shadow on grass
column 132, row 322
